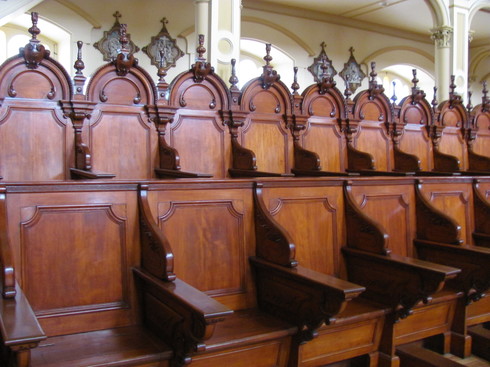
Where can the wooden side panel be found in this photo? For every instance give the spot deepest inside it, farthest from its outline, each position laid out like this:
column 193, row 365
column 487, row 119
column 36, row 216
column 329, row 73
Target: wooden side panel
column 123, row 142
column 211, row 235
column 455, row 200
column 313, row 216
column 202, row 141
column 74, row 253
column 36, row 141
column 267, row 136
column 415, row 141
column 393, row 207
column 482, row 141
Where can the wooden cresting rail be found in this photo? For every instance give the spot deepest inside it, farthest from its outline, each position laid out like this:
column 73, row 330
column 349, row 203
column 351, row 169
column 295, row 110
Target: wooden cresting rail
column 194, row 223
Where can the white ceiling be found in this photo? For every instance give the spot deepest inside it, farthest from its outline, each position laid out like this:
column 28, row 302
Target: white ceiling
column 407, row 15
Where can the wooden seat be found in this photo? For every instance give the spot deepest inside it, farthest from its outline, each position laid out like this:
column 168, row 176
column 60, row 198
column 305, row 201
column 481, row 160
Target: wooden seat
column 258, row 120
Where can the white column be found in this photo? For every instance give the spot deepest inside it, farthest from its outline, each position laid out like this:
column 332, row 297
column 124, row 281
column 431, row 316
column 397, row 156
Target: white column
column 442, row 37
column 224, row 35
column 202, row 16
column 459, row 13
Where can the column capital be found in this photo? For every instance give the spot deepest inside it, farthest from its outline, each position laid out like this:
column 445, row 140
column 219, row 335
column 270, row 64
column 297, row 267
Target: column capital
column 442, row 36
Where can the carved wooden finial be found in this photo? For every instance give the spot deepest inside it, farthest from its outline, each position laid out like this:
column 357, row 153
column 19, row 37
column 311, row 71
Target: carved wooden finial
column 267, row 57
column 452, row 86
column 326, row 80
column 125, row 59
column 201, row 68
column 469, row 106
column 79, row 64
column 79, row 79
column 34, row 30
column 434, row 100
column 394, row 97
column 233, row 78
column 414, row 80
column 201, row 50
column 373, row 74
column 485, row 100
column 162, row 70
column 374, row 88
column 34, row 51
column 295, row 85
column 269, row 76
column 417, row 94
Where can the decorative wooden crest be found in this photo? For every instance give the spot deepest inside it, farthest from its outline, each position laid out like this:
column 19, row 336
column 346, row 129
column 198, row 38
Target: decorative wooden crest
column 163, row 50
column 201, row 68
column 417, row 94
column 352, row 73
column 124, row 59
column 269, row 75
column 317, row 69
column 110, row 45
column 325, row 81
column 375, row 89
column 454, row 99
column 34, row 51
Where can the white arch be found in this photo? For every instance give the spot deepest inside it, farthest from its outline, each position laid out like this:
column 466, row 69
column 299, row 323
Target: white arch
column 475, row 7
column 440, row 13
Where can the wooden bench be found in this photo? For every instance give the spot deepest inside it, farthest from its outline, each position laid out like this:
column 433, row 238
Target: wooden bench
column 72, row 248
column 197, row 286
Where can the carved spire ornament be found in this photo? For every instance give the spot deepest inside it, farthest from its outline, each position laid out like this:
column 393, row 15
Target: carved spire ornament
column 375, row 89
column 269, row 75
column 201, row 68
column 34, row 51
column 417, row 94
column 124, row 59
column 110, row 45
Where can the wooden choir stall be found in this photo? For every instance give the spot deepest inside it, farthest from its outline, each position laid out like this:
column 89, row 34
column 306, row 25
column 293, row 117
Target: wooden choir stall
column 195, row 223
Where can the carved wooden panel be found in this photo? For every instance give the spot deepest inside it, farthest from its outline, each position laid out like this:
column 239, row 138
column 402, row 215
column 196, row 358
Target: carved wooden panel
column 313, row 216
column 123, row 142
column 48, row 81
column 416, row 141
column 265, row 131
column 73, row 253
column 372, row 138
column 482, row 141
column 211, row 240
column 271, row 142
column 202, row 141
column 452, row 143
column 455, row 200
column 322, row 134
column 393, row 207
column 36, row 141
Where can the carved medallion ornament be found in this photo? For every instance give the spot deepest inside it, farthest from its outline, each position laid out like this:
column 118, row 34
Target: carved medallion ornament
column 109, row 45
column 163, row 50
column 317, row 69
column 352, row 73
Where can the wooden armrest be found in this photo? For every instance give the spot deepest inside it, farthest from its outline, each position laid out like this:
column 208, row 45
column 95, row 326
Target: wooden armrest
column 358, row 160
column 180, row 314
column 300, row 295
column 18, row 324
column 473, row 261
column 478, row 162
column 445, row 162
column 397, row 281
column 404, row 161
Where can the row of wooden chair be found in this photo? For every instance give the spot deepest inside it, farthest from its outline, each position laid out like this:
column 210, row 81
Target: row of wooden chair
column 128, row 127
column 286, row 272
column 103, row 264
